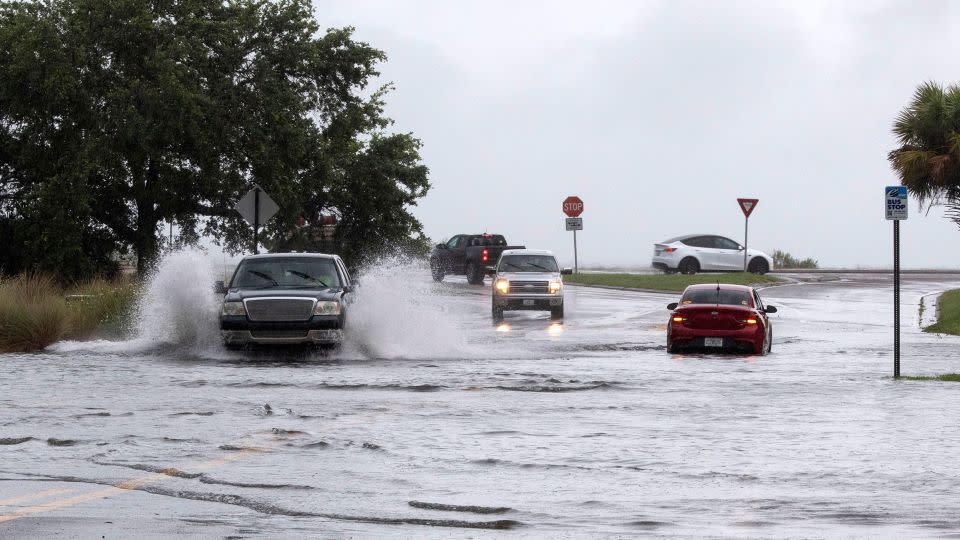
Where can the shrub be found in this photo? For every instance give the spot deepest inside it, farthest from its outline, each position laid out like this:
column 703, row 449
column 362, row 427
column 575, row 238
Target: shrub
column 100, row 308
column 33, row 313
column 782, row 259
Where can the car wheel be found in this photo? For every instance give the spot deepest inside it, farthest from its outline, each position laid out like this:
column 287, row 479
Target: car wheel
column 556, row 312
column 436, row 270
column 497, row 313
column 474, row 275
column 758, row 266
column 689, row 266
column 672, row 348
column 770, row 342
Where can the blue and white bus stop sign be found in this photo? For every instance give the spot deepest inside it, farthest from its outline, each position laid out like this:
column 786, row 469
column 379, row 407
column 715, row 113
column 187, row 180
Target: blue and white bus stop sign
column 895, row 198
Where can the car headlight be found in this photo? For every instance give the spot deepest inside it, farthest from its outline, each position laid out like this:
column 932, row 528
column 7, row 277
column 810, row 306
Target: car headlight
column 503, row 286
column 233, row 308
column 327, row 308
column 555, row 286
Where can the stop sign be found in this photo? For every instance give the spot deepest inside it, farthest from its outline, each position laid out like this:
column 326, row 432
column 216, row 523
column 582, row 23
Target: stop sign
column 572, row 206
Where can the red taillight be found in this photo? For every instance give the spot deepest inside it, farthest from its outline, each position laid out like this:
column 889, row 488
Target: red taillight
column 679, row 318
column 751, row 320
column 486, row 255
column 669, row 249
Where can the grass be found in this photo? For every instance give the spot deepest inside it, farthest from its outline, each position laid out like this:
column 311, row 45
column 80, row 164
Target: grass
column 947, row 377
column 668, row 282
column 36, row 312
column 948, row 314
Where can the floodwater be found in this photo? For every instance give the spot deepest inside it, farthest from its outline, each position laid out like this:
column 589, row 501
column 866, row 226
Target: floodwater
column 434, row 422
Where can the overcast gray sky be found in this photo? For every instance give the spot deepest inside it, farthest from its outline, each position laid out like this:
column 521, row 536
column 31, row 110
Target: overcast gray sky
column 660, row 114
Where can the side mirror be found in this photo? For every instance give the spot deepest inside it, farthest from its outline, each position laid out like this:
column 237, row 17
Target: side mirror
column 739, row 248
column 566, row 272
column 770, row 309
column 441, row 246
column 672, row 306
column 220, row 287
column 490, row 270
column 347, row 288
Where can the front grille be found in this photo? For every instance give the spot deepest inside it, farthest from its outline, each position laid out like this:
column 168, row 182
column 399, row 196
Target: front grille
column 267, row 334
column 529, row 287
column 279, row 309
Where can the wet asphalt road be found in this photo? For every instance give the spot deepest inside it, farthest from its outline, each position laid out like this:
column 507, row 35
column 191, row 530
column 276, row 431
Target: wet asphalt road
column 434, row 423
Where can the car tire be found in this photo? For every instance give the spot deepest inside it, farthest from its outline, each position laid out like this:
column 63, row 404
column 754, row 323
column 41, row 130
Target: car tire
column 496, row 313
column 474, row 276
column 232, row 346
column 758, row 265
column 556, row 313
column 689, row 265
column 436, row 270
column 672, row 348
column 770, row 342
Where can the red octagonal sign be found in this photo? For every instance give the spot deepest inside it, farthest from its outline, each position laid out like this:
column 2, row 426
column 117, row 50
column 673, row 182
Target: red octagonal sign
column 572, row 206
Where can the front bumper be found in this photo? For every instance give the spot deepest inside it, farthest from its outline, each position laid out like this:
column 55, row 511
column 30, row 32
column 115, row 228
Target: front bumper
column 320, row 330
column 529, row 302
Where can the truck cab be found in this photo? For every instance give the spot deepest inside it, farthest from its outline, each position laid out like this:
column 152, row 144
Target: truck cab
column 528, row 279
column 285, row 299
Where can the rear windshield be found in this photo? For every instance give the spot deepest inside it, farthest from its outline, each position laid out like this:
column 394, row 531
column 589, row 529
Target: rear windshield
column 488, row 240
column 528, row 263
column 712, row 296
column 286, row 273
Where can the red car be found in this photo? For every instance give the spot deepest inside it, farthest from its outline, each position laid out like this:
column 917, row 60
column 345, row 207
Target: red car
column 720, row 317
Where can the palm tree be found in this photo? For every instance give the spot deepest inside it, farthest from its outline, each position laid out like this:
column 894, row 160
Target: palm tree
column 928, row 159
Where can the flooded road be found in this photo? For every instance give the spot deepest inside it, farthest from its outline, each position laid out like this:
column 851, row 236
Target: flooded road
column 433, row 422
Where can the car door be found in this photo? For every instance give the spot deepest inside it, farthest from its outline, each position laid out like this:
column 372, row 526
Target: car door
column 706, row 250
column 729, row 254
column 458, row 253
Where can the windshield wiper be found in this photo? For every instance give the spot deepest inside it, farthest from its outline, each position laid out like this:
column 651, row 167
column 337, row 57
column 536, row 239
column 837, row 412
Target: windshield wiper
column 514, row 265
column 544, row 268
column 308, row 276
column 264, row 276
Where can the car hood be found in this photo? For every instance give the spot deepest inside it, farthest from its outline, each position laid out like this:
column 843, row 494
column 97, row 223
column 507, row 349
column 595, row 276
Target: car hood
column 529, row 276
column 235, row 295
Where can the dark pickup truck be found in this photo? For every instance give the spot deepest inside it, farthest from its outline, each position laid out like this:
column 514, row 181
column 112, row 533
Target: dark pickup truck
column 468, row 254
column 285, row 299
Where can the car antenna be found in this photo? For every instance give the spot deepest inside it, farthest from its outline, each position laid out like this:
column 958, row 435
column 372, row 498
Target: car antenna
column 718, row 293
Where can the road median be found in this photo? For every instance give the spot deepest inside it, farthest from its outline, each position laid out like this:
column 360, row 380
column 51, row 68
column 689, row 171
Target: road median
column 948, row 314
column 667, row 282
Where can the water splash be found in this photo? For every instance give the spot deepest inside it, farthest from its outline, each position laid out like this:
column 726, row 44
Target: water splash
column 178, row 308
column 396, row 314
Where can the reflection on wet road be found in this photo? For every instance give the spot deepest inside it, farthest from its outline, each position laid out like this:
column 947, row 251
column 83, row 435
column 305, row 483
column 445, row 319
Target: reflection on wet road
column 434, row 418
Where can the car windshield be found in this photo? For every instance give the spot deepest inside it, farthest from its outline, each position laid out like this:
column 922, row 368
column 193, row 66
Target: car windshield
column 528, row 263
column 713, row 296
column 286, row 273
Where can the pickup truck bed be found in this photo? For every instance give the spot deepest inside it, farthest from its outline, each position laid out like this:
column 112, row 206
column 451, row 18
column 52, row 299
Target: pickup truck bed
column 469, row 255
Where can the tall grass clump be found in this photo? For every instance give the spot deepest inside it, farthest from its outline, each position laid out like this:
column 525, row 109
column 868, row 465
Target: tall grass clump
column 100, row 308
column 33, row 313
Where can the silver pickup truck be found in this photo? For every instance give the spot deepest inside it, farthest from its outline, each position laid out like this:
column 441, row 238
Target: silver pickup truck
column 528, row 279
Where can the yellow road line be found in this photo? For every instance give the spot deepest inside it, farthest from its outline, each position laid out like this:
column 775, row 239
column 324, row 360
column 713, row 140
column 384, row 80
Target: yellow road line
column 126, row 485
column 37, row 495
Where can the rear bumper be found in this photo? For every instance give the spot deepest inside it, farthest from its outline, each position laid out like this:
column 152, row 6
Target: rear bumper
column 747, row 338
column 664, row 263
column 320, row 329
column 528, row 302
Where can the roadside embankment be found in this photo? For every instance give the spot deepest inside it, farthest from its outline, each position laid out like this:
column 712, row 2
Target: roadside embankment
column 36, row 312
column 948, row 314
column 667, row 282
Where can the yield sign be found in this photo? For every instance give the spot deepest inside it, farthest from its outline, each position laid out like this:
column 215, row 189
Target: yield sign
column 747, row 205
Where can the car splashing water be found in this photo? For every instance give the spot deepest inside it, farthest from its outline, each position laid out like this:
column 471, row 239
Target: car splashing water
column 396, row 315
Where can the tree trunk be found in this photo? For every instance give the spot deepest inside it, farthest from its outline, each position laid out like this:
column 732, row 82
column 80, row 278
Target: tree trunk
column 145, row 243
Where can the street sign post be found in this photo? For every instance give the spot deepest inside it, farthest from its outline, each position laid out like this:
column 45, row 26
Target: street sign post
column 256, row 207
column 573, row 207
column 747, row 205
column 895, row 204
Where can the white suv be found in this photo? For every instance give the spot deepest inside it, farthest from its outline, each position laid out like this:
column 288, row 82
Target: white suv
column 707, row 253
column 528, row 279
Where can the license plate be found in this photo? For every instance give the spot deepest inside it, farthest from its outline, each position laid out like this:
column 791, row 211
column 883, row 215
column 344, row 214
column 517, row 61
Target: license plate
column 528, row 302
column 713, row 342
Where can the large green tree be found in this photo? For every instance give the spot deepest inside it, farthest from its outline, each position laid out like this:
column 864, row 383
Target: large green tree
column 116, row 115
column 928, row 159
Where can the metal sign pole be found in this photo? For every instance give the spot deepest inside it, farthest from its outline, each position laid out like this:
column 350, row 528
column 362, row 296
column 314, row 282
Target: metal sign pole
column 256, row 218
column 746, row 223
column 576, row 267
column 896, row 299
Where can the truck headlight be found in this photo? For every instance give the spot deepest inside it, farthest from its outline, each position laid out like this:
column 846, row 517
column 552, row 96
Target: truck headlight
column 555, row 286
column 233, row 308
column 327, row 308
column 503, row 286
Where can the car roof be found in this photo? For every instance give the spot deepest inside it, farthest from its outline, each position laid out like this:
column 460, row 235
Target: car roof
column 686, row 237
column 290, row 254
column 723, row 287
column 527, row 252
